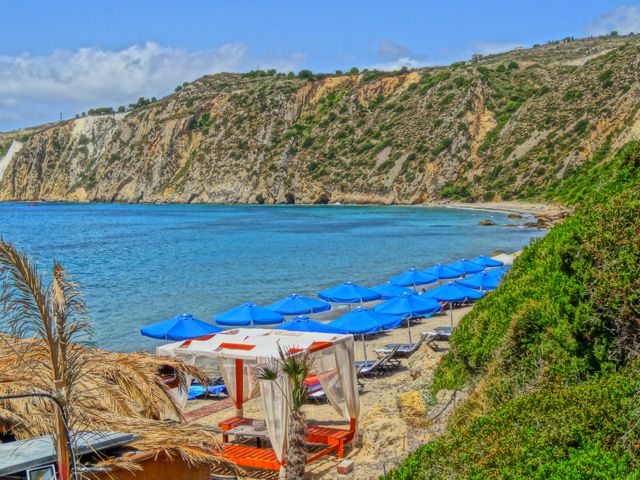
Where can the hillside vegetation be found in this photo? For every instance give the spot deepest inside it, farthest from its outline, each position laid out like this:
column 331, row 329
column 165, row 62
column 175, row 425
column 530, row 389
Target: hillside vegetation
column 552, row 355
column 508, row 126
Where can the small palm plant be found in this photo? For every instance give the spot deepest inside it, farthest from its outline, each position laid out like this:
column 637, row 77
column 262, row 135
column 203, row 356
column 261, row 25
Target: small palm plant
column 295, row 368
column 48, row 353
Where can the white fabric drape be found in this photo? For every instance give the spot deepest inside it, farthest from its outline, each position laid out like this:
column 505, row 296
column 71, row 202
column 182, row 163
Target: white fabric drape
column 182, row 394
column 276, row 398
column 337, row 375
column 250, row 387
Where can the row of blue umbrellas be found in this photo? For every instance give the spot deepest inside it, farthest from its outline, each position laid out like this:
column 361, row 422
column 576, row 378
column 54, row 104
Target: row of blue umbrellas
column 402, row 303
column 414, row 277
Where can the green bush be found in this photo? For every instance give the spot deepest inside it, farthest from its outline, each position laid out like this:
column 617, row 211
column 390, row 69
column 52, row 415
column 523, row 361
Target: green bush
column 306, row 75
column 606, row 78
column 444, row 144
column 455, row 191
column 204, row 122
column 581, row 126
column 307, row 142
column 556, row 349
column 571, row 95
column 572, row 433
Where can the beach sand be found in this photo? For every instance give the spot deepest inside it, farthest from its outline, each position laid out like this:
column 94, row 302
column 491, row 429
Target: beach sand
column 522, row 208
column 393, row 417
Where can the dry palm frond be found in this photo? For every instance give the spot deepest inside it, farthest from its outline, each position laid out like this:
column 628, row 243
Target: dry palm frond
column 98, row 390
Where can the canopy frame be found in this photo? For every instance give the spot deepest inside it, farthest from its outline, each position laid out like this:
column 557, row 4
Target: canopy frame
column 241, row 351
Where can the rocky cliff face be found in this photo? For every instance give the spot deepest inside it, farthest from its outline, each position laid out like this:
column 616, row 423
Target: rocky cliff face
column 505, row 127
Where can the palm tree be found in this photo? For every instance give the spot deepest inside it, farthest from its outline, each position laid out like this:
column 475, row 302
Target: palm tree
column 48, row 352
column 295, row 368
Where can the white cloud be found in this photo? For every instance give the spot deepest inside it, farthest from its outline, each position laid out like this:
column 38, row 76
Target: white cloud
column 396, row 56
column 623, row 19
column 398, row 63
column 487, row 48
column 387, row 48
column 38, row 87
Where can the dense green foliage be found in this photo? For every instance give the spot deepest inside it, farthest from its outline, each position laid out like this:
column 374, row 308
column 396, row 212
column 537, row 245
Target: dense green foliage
column 100, row 110
column 573, row 433
column 553, row 353
column 600, row 176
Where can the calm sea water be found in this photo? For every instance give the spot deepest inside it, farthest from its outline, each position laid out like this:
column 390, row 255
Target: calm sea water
column 138, row 264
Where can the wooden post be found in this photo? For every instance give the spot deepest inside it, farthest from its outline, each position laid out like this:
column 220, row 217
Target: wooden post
column 239, row 387
column 62, row 449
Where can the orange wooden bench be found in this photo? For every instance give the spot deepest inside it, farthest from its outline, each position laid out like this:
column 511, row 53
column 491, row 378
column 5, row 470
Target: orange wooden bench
column 330, row 436
column 315, row 434
column 264, row 458
column 232, row 422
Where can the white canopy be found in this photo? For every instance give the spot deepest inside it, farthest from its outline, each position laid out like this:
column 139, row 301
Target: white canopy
column 241, row 351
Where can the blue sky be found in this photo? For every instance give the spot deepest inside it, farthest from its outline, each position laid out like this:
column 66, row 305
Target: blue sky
column 73, row 55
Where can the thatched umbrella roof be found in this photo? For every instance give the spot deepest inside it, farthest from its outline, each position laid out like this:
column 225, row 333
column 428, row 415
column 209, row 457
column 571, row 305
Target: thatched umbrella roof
column 121, row 392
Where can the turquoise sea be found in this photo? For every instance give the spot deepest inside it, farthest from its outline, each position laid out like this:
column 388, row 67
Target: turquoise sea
column 138, row 264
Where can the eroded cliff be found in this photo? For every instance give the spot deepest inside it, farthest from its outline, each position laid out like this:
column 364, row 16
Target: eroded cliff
column 505, row 127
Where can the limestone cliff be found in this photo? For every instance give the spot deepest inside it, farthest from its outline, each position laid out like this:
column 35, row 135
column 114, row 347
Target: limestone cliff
column 507, row 126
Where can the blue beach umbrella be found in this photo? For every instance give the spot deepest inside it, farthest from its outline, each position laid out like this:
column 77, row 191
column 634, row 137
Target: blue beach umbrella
column 480, row 281
column 305, row 324
column 466, row 266
column 297, row 305
column 452, row 292
column 443, row 272
column 247, row 315
column 408, row 306
column 362, row 321
column 487, row 262
column 388, row 290
column 349, row 292
column 413, row 277
column 180, row 327
column 499, row 272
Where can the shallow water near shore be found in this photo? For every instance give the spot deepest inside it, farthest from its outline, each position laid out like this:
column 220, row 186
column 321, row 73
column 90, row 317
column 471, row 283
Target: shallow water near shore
column 138, row 264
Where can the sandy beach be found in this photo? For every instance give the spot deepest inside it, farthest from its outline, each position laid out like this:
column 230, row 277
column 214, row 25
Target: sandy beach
column 522, row 208
column 393, row 419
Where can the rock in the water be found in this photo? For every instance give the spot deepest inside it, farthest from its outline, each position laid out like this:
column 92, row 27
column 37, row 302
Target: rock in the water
column 514, row 216
column 486, row 222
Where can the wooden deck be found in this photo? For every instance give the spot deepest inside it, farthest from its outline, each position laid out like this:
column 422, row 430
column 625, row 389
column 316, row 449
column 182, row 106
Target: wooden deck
column 263, row 458
column 207, row 410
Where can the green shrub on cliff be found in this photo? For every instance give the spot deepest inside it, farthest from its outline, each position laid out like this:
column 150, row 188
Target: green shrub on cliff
column 553, row 353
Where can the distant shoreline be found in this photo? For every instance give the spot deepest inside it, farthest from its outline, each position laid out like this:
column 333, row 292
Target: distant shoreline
column 522, row 208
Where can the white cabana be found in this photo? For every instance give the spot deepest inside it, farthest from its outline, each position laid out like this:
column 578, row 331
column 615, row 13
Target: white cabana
column 240, row 352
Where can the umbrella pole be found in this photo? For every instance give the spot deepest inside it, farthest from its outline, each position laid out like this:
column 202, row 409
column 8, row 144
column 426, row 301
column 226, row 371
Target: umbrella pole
column 364, row 348
column 409, row 327
column 451, row 310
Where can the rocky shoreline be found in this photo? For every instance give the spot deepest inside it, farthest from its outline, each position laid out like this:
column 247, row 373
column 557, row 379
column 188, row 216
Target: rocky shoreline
column 532, row 215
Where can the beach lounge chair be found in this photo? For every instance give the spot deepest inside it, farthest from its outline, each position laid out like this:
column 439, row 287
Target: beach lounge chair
column 405, row 350
column 199, row 391
column 440, row 333
column 379, row 366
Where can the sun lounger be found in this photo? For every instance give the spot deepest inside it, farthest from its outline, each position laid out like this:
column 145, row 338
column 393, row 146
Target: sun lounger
column 197, row 391
column 441, row 333
column 405, row 350
column 379, row 366
column 318, row 396
column 444, row 330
